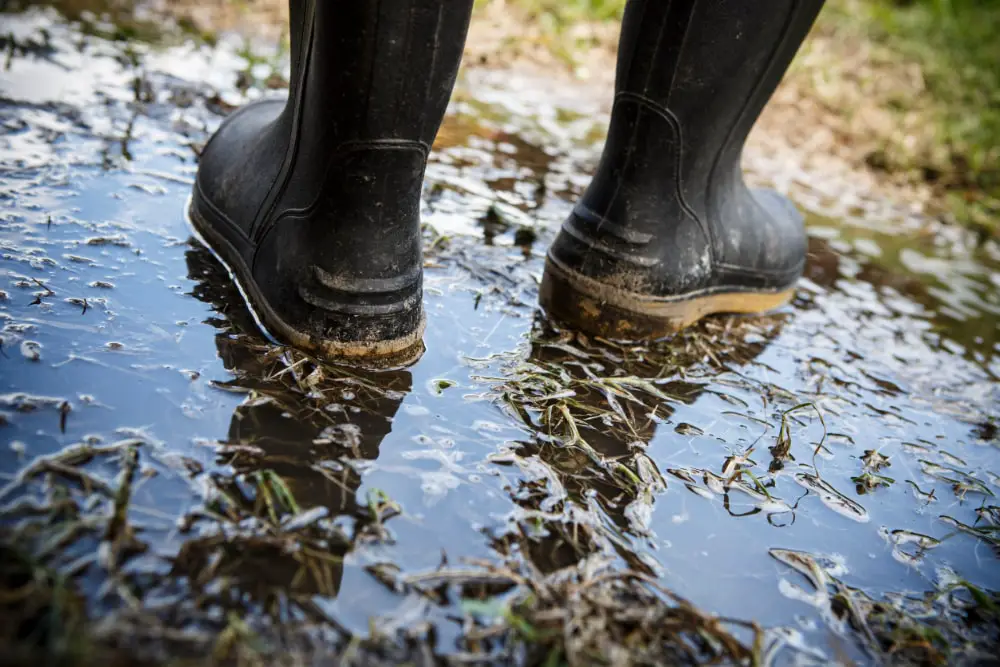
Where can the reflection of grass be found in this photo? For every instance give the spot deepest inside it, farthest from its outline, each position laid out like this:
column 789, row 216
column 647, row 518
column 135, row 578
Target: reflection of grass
column 986, row 527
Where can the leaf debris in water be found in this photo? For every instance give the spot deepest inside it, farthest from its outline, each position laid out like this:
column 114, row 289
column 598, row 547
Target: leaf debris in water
column 832, row 498
column 31, row 350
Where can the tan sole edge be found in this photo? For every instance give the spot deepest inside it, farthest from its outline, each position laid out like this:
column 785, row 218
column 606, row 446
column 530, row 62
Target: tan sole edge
column 398, row 351
column 602, row 310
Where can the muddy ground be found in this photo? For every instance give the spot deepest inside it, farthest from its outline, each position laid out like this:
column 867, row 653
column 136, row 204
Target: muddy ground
column 812, row 486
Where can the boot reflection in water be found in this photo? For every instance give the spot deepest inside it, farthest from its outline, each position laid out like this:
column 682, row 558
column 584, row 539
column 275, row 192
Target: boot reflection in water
column 314, row 203
column 556, row 543
column 307, row 444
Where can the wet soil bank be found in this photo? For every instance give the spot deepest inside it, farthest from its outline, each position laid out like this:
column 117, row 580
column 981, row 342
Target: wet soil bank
column 812, row 486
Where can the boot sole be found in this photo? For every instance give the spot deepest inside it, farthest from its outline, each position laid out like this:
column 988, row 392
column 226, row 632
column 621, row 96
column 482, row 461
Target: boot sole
column 611, row 312
column 399, row 351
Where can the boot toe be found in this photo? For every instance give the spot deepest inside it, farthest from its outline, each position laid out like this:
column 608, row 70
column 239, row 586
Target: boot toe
column 781, row 257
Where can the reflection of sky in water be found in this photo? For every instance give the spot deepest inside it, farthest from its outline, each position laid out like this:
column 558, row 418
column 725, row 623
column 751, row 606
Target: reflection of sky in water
column 892, row 340
column 965, row 285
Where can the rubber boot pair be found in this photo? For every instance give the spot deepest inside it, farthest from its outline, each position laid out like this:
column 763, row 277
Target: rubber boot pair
column 313, row 204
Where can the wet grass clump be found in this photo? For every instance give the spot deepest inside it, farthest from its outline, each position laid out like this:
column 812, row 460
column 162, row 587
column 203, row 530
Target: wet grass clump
column 595, row 614
column 42, row 615
column 78, row 587
column 956, row 624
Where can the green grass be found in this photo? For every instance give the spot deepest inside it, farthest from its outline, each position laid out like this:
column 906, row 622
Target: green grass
column 955, row 45
column 559, row 14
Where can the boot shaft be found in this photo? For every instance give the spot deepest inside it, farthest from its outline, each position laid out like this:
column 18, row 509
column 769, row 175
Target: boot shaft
column 713, row 64
column 367, row 100
column 391, row 74
column 314, row 203
column 692, row 78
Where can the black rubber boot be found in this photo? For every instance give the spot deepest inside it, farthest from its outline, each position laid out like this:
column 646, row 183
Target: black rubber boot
column 313, row 204
column 667, row 231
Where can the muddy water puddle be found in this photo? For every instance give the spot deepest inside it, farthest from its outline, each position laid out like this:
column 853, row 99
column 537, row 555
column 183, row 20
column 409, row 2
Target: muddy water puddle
column 159, row 453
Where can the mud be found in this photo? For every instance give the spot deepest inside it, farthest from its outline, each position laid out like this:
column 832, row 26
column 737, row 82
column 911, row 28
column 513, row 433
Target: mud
column 190, row 479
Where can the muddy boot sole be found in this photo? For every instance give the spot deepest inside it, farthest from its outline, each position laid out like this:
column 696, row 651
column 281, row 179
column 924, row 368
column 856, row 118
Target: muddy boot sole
column 598, row 309
column 395, row 352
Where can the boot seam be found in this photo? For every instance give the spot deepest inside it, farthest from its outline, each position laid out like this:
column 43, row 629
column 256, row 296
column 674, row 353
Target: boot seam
column 747, row 271
column 593, row 244
column 675, row 124
column 217, row 212
column 341, row 149
column 630, row 146
column 346, row 147
column 280, row 182
column 603, row 223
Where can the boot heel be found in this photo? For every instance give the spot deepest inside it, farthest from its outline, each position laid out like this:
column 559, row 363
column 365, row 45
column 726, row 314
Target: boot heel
column 399, row 350
column 599, row 309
